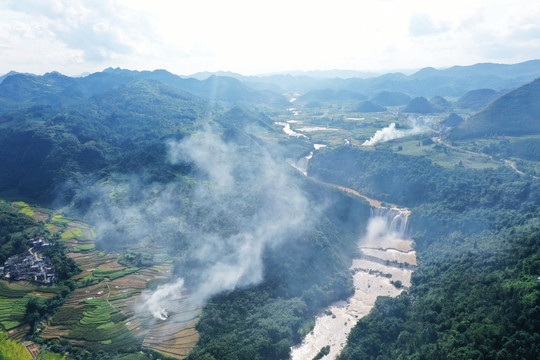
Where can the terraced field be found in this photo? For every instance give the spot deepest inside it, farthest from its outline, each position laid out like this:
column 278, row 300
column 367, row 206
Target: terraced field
column 12, row 349
column 176, row 336
column 103, row 312
column 13, row 299
column 36, row 213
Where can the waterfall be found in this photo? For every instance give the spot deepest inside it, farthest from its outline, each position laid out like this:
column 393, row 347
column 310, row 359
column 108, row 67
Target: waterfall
column 302, row 164
column 395, row 219
column 384, row 259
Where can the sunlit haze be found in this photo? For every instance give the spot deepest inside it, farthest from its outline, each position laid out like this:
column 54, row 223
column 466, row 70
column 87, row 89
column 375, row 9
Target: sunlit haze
column 249, row 37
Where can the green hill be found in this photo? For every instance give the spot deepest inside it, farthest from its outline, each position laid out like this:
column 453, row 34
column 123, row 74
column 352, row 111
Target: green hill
column 44, row 149
column 477, row 99
column 369, row 106
column 391, row 98
column 420, row 105
column 452, row 120
column 515, row 113
column 441, row 103
column 326, row 95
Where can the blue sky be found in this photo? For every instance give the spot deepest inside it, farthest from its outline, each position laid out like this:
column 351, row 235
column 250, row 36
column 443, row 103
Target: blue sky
column 253, row 37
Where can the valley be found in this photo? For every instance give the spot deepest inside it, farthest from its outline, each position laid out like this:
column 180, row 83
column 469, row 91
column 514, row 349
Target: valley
column 229, row 219
column 382, row 267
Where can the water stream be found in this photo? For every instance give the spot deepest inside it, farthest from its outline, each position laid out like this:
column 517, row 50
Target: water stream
column 384, row 257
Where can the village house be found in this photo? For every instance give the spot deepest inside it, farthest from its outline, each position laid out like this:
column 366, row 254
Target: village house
column 30, row 266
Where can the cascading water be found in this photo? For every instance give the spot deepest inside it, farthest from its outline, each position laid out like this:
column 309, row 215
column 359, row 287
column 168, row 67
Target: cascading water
column 396, row 219
column 382, row 267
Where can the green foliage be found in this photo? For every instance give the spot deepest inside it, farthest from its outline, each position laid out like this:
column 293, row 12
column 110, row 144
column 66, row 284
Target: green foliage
column 64, row 266
column 479, row 305
column 515, row 113
column 122, row 129
column 83, row 248
column 324, row 351
column 12, row 349
column 97, row 322
column 308, row 273
column 255, row 326
column 16, row 230
column 444, row 200
column 135, row 259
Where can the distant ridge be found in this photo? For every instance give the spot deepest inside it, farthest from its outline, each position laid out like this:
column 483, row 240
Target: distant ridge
column 391, row 98
column 18, row 91
column 369, row 106
column 331, row 95
column 515, row 113
column 420, row 105
column 477, row 99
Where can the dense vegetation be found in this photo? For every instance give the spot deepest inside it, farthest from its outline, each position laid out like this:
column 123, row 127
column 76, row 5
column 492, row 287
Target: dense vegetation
column 103, row 145
column 477, row 99
column 47, row 153
column 264, row 322
column 475, row 294
column 478, row 305
column 16, row 230
column 515, row 113
column 420, row 105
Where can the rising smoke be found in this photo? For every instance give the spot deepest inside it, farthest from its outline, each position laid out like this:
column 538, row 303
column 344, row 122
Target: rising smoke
column 419, row 126
column 219, row 221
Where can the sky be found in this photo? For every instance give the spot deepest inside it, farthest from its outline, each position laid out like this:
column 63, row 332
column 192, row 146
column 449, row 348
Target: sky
column 261, row 36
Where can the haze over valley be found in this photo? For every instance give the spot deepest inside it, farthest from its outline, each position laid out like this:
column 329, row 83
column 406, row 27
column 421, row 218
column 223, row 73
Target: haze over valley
column 171, row 189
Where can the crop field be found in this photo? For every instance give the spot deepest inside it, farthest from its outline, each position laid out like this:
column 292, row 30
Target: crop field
column 60, row 220
column 71, row 233
column 12, row 311
column 12, row 349
column 52, row 228
column 51, row 356
column 102, row 312
column 34, row 212
column 176, row 336
column 13, row 299
column 447, row 157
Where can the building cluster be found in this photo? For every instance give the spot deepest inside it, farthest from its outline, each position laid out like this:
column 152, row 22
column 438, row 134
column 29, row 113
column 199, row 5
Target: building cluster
column 31, row 265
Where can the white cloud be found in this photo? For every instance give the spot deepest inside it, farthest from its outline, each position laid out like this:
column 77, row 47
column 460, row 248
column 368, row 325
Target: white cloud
column 253, row 37
column 421, row 25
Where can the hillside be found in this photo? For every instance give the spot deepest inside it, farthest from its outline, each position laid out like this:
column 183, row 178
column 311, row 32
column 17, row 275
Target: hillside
column 18, row 91
column 390, row 98
column 477, row 99
column 44, row 149
column 515, row 113
column 420, row 105
column 369, row 106
column 205, row 230
column 329, row 95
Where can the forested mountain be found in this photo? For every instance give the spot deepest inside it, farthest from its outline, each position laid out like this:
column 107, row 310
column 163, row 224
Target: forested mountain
column 54, row 89
column 475, row 294
column 188, row 183
column 45, row 148
column 515, row 113
column 390, row 98
column 420, row 105
column 331, row 95
column 477, row 99
column 369, row 106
